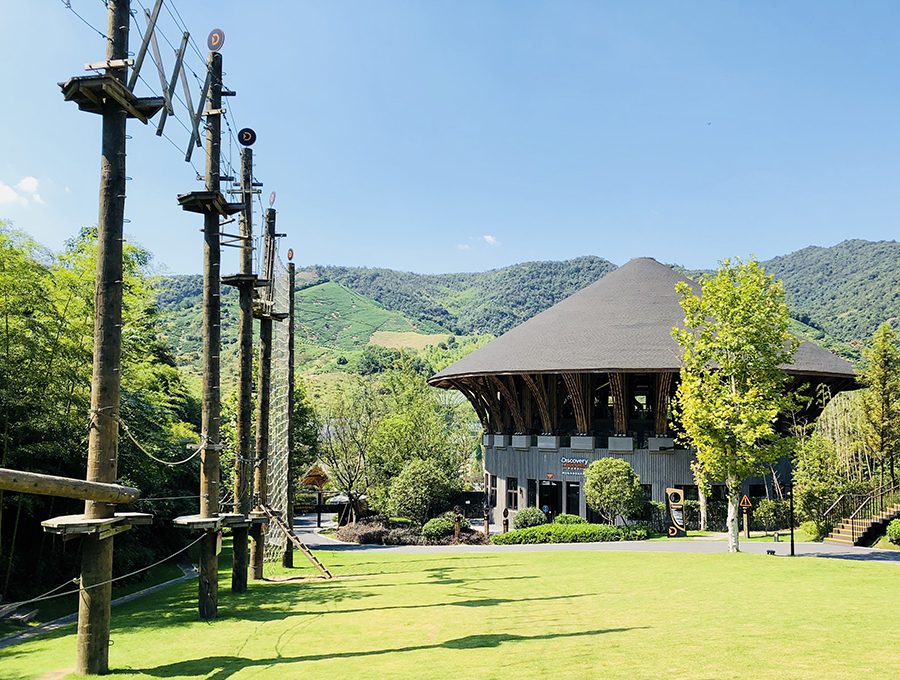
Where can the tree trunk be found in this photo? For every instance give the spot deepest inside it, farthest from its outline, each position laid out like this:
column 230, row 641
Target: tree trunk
column 734, row 499
column 701, row 494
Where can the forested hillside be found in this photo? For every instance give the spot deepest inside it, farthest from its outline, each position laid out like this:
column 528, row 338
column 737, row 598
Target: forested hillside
column 484, row 302
column 847, row 290
column 838, row 296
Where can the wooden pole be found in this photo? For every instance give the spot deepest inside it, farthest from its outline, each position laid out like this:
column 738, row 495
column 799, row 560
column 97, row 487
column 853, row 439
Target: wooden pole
column 287, row 557
column 260, row 483
column 211, row 406
column 63, row 487
column 95, row 595
column 245, row 378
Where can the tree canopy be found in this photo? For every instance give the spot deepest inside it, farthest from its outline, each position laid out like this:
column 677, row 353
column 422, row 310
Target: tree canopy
column 732, row 390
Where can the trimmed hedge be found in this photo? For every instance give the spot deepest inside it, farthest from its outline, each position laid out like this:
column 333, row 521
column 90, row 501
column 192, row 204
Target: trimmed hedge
column 569, row 519
column 570, row 533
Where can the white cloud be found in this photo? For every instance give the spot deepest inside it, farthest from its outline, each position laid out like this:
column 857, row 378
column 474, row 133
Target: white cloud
column 29, row 185
column 21, row 193
column 464, row 247
column 8, row 194
column 491, row 240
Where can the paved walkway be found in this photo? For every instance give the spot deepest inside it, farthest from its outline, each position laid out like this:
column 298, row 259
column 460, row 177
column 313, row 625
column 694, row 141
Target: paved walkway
column 305, row 527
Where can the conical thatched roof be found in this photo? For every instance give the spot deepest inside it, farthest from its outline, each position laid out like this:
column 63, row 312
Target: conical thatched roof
column 621, row 323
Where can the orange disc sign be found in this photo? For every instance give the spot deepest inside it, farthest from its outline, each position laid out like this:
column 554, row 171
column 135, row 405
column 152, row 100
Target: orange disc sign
column 247, row 137
column 290, row 254
column 215, row 40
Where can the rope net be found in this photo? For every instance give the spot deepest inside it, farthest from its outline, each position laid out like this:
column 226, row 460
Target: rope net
column 279, row 412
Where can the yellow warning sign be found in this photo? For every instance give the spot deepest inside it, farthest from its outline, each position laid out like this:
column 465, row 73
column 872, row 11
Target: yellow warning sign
column 745, row 502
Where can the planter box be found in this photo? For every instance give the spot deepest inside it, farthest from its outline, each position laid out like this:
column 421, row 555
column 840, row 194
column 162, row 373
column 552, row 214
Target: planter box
column 487, row 440
column 521, row 441
column 500, row 441
column 621, row 444
column 548, row 442
column 661, row 444
column 582, row 443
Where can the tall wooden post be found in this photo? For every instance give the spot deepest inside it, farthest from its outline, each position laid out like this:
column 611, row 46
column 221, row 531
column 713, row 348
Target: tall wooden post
column 260, row 483
column 287, row 557
column 245, row 377
column 92, row 656
column 211, row 406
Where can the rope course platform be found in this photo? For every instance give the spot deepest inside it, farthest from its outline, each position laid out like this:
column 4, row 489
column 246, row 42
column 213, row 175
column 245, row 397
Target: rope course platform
column 70, row 526
column 91, row 93
column 208, row 201
column 198, row 523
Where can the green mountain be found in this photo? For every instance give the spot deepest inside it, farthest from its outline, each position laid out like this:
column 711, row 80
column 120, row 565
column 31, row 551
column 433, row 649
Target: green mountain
column 332, row 315
column 838, row 295
column 847, row 290
column 472, row 303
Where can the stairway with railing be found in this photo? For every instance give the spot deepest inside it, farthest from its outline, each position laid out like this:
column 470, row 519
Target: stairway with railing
column 859, row 517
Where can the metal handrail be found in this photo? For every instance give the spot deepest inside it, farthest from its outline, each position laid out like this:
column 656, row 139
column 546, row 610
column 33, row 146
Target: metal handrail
column 873, row 503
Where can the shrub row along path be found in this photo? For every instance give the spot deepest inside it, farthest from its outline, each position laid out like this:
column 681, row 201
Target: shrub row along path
column 305, row 527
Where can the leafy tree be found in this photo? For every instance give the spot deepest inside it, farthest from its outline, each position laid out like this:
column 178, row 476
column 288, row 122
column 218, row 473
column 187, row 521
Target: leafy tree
column 419, row 423
column 818, row 480
column 732, row 388
column 612, row 488
column 349, row 423
column 881, row 400
column 46, row 339
column 422, row 490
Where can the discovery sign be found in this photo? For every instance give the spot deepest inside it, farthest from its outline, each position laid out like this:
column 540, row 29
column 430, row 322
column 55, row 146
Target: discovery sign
column 574, row 466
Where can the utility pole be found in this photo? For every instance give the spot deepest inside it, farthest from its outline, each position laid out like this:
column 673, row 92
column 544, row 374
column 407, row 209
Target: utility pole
column 287, row 557
column 260, row 482
column 109, row 96
column 211, row 406
column 212, row 204
column 245, row 282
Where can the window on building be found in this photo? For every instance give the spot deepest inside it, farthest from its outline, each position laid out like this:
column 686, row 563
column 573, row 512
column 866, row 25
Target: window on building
column 757, row 491
column 493, row 491
column 690, row 491
column 532, row 493
column 512, row 493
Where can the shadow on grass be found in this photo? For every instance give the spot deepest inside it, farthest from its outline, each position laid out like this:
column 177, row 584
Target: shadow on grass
column 276, row 603
column 230, row 665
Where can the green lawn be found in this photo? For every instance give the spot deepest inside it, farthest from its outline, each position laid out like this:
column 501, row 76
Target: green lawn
column 514, row 615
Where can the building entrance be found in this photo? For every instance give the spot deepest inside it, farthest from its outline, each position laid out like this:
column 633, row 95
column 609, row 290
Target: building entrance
column 550, row 495
column 573, row 498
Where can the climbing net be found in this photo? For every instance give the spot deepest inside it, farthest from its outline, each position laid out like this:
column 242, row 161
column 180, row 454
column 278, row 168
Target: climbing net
column 279, row 412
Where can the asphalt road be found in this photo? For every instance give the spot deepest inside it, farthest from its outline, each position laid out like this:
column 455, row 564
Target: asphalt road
column 305, row 526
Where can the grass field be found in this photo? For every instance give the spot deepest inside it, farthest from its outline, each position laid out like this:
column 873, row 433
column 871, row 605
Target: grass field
column 514, row 615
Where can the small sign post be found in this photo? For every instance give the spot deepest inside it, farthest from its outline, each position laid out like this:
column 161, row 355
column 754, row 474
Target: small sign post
column 675, row 502
column 746, row 505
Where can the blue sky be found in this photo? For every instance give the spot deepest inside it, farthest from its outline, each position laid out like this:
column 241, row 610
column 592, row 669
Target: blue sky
column 462, row 136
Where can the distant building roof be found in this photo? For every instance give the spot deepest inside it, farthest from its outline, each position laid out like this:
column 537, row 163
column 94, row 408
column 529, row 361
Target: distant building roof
column 621, row 323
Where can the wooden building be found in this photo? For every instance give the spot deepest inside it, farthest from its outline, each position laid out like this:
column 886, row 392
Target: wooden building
column 591, row 377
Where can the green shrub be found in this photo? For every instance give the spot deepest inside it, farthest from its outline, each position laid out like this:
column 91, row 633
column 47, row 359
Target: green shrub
column 442, row 526
column 814, row 530
column 569, row 519
column 570, row 533
column 893, row 531
column 529, row 517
